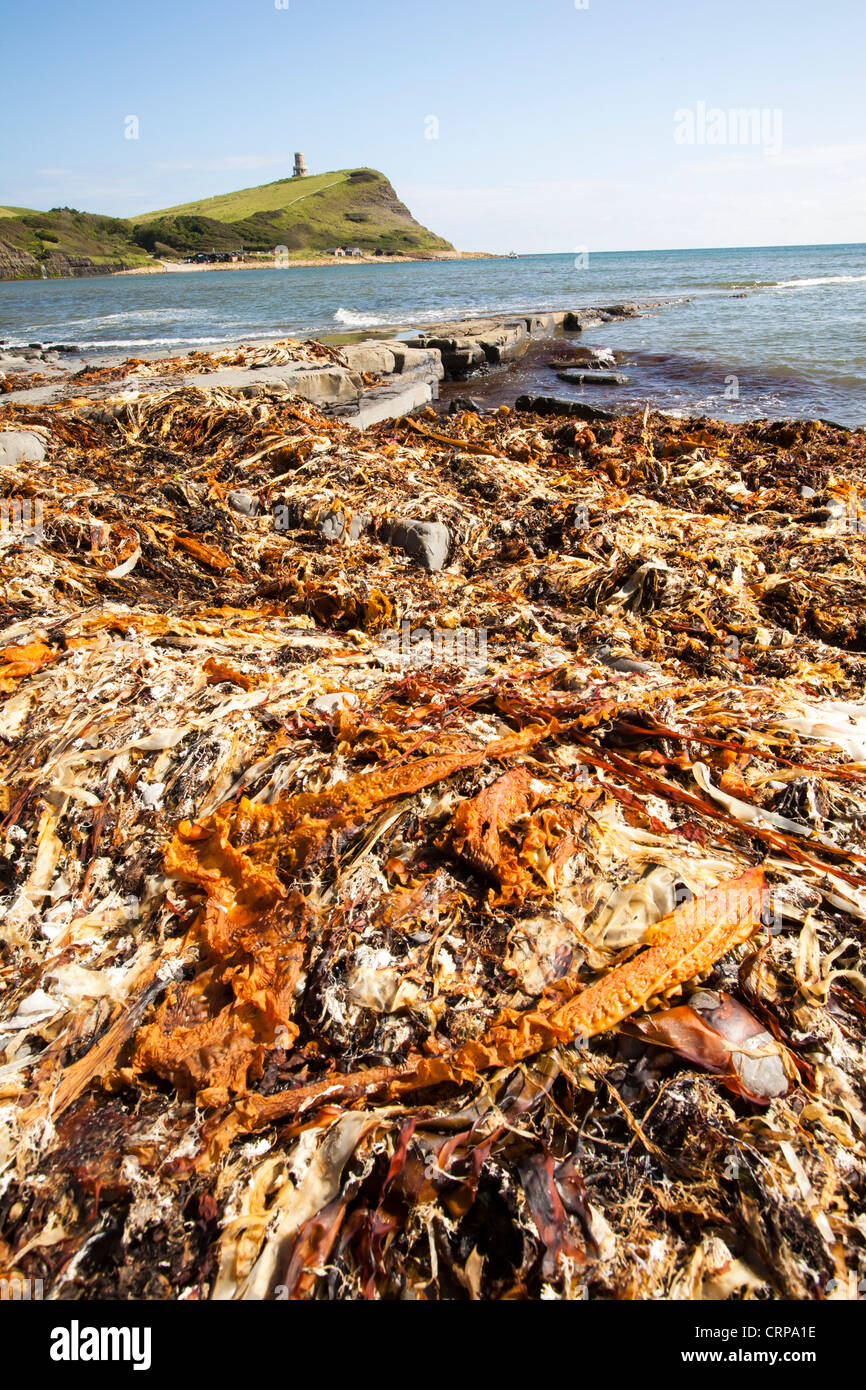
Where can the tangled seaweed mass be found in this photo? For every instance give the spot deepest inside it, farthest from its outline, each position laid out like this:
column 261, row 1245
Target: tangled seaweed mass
column 339, row 966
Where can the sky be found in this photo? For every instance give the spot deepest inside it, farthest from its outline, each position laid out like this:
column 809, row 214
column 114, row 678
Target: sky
column 546, row 125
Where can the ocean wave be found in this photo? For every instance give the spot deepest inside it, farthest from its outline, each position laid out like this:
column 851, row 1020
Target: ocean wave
column 744, row 284
column 169, row 314
column 109, row 344
column 820, row 280
column 349, row 319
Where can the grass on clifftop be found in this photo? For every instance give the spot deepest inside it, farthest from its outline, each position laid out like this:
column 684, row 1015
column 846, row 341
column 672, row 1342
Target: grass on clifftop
column 246, row 202
column 347, row 207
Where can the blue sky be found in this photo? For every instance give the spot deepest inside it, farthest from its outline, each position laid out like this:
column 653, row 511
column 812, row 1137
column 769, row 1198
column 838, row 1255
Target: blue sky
column 556, row 124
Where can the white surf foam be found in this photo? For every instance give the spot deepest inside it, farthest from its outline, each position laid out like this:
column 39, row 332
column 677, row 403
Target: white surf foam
column 350, row 319
column 820, row 280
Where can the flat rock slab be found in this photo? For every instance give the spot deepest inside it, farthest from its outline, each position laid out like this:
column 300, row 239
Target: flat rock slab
column 412, row 359
column 505, row 343
column 469, row 345
column 319, row 385
column 15, row 362
column 593, row 377
column 390, row 401
column 579, row 319
column 539, row 324
column 370, row 357
column 577, row 322
column 391, row 356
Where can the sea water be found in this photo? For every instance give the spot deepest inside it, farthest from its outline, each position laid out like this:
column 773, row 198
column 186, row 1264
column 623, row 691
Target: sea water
column 737, row 333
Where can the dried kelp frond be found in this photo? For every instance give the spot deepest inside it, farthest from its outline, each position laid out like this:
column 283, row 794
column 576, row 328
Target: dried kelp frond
column 345, row 896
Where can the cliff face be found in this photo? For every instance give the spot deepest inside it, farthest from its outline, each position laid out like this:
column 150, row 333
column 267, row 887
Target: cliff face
column 59, row 265
column 16, row 264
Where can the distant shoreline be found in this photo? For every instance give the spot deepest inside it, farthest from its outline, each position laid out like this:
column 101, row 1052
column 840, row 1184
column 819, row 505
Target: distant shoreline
column 175, row 267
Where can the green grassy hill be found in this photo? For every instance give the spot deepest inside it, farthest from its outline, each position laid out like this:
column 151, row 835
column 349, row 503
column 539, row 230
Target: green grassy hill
column 348, row 207
column 64, row 241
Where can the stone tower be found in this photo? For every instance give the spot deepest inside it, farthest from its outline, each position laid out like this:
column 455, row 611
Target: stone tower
column 300, row 169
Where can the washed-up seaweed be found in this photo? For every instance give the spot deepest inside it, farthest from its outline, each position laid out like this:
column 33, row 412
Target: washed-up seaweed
column 482, row 923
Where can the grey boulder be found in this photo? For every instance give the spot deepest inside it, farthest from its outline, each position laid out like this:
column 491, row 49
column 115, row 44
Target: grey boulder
column 425, row 541
column 21, row 446
column 625, row 664
column 331, row 525
column 243, row 502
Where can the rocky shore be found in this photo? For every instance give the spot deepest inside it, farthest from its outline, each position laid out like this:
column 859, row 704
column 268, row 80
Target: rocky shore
column 366, row 380
column 468, row 345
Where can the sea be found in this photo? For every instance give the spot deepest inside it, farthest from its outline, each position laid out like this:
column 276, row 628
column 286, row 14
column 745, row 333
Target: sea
column 737, row 333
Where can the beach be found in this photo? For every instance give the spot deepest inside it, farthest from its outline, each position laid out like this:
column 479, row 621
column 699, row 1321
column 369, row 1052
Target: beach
column 304, row 262
column 416, row 739
column 380, row 781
